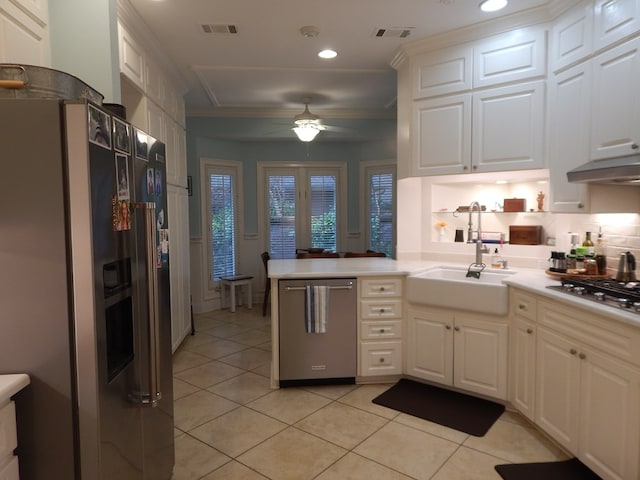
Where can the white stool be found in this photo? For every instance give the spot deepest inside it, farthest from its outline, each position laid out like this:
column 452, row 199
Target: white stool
column 233, row 282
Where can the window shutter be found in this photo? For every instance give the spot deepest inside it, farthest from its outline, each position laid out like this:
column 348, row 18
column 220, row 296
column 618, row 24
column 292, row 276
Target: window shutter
column 323, row 212
column 282, row 216
column 381, row 212
column 222, row 208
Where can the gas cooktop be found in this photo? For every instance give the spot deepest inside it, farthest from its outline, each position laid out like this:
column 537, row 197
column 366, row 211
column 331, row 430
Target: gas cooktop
column 624, row 295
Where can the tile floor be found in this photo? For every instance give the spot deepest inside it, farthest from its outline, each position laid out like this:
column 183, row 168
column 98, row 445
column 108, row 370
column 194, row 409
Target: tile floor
column 229, row 423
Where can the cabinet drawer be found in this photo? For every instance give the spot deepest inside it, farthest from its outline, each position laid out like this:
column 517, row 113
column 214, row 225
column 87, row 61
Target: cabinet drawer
column 381, row 308
column 381, row 287
column 381, row 358
column 523, row 305
column 10, row 470
column 380, row 330
column 8, row 435
column 607, row 335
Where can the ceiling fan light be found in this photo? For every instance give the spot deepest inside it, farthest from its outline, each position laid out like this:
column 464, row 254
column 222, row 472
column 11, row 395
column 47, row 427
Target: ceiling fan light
column 492, row 5
column 306, row 132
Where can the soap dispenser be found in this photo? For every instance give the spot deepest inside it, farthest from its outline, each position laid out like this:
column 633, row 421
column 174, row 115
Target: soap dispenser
column 496, row 259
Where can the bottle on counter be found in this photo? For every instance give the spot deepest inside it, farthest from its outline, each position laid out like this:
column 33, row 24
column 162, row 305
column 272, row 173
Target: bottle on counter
column 601, row 254
column 588, row 243
column 571, row 260
column 496, row 259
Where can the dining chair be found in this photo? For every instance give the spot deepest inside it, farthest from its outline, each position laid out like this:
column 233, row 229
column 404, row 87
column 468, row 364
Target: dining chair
column 267, row 285
column 368, row 253
column 317, row 255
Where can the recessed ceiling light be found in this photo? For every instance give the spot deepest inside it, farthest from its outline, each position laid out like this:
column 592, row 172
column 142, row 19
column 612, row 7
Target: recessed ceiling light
column 328, row 54
column 501, row 182
column 492, row 5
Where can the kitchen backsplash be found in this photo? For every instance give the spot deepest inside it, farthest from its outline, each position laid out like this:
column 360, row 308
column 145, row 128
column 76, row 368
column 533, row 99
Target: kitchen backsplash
column 439, row 220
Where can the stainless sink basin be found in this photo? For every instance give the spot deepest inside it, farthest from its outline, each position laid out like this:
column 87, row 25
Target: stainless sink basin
column 448, row 286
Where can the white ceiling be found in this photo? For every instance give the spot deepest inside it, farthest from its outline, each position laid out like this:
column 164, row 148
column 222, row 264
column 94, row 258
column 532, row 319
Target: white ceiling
column 269, row 66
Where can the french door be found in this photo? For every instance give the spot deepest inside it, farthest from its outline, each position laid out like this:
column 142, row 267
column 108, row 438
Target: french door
column 304, row 208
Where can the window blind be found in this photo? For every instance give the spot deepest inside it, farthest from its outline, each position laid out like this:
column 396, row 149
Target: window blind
column 282, row 216
column 222, row 208
column 323, row 212
column 381, row 208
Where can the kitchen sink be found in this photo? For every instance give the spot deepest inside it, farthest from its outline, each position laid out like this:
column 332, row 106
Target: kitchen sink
column 448, row 286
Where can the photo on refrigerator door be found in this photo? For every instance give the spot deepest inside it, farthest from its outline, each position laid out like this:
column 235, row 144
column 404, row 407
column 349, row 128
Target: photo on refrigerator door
column 141, row 145
column 121, row 136
column 122, row 175
column 99, row 127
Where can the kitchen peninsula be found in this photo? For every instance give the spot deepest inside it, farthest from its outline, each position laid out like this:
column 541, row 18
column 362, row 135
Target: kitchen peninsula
column 573, row 365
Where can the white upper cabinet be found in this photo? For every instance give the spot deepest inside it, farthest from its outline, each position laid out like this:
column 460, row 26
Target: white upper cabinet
column 132, row 63
column 508, row 128
column 615, row 127
column 442, row 72
column 24, row 30
column 569, row 136
column 154, row 81
column 571, row 37
column 509, row 57
column 442, row 135
column 615, row 20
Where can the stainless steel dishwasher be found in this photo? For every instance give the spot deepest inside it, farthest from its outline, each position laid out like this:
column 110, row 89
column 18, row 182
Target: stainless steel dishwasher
column 318, row 358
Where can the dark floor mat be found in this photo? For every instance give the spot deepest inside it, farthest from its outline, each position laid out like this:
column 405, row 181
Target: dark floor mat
column 572, row 469
column 452, row 409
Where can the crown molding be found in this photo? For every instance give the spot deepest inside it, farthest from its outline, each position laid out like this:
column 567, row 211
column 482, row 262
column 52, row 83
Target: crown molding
column 289, row 113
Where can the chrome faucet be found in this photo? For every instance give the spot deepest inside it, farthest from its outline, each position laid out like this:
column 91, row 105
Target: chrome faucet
column 480, row 248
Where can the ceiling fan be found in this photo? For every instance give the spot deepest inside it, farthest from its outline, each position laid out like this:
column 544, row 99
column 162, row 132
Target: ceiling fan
column 306, row 124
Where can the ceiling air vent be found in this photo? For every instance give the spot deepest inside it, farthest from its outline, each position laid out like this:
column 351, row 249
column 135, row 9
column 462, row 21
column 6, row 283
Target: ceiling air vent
column 219, row 28
column 395, row 32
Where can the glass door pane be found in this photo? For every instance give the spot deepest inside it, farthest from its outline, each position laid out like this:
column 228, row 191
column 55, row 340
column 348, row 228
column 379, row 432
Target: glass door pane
column 323, row 211
column 282, row 216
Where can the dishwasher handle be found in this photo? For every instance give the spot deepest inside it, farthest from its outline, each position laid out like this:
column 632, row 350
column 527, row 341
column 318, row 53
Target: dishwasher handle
column 349, row 286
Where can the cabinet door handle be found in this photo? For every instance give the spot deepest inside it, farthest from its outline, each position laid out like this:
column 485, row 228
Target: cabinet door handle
column 634, row 146
column 573, row 351
column 448, row 327
column 382, row 330
column 582, row 356
column 457, row 329
column 382, row 310
column 382, row 289
column 522, row 307
column 529, row 331
column 381, row 360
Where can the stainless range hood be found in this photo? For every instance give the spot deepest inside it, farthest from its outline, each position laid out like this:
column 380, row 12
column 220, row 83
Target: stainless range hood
column 617, row 170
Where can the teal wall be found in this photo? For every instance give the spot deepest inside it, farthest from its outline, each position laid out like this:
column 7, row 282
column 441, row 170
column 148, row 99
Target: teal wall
column 215, row 138
column 84, row 43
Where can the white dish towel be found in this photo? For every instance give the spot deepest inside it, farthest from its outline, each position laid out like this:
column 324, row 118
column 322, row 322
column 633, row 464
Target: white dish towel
column 316, row 308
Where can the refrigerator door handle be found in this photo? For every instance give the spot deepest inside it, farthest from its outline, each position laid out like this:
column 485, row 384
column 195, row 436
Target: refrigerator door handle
column 151, row 398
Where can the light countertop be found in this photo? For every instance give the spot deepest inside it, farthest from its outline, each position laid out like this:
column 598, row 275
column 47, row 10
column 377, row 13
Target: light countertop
column 12, row 384
column 532, row 280
column 343, row 267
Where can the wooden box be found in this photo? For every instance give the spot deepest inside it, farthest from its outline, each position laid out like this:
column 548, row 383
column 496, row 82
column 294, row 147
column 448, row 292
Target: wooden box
column 525, row 234
column 515, row 205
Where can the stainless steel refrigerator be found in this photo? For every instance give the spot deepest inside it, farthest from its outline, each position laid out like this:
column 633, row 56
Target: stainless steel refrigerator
column 84, row 292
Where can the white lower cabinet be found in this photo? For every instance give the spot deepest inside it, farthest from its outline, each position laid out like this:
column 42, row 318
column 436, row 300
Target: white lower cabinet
column 576, row 374
column 8, row 442
column 178, row 206
column 465, row 350
column 590, row 403
column 522, row 353
column 380, row 326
